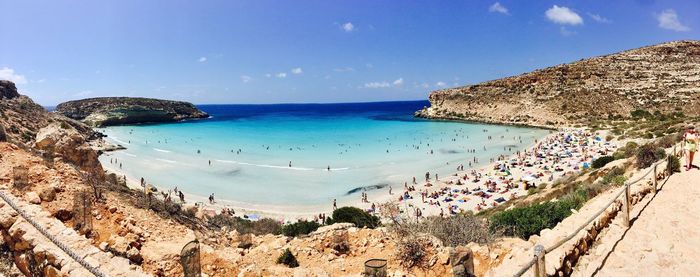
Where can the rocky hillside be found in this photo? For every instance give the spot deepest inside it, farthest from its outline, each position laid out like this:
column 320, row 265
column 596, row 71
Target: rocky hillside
column 21, row 118
column 663, row 77
column 107, row 111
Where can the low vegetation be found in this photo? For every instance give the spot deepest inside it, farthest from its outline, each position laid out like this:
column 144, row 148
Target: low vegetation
column 602, row 161
column 299, row 228
column 355, row 216
column 288, row 259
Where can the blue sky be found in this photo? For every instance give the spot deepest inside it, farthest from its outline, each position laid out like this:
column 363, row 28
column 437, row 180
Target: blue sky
column 310, row 51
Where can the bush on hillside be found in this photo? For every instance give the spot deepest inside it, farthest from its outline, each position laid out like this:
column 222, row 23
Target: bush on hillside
column 412, row 251
column 648, row 154
column 455, row 230
column 244, row 226
column 629, row 150
column 667, row 141
column 356, row 216
column 300, row 228
column 288, row 259
column 602, row 161
column 530, row 220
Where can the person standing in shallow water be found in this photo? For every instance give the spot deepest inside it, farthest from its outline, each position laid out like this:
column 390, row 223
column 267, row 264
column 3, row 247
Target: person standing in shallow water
column 335, row 205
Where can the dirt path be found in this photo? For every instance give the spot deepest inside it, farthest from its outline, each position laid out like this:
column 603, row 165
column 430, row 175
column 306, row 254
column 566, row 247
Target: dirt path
column 664, row 240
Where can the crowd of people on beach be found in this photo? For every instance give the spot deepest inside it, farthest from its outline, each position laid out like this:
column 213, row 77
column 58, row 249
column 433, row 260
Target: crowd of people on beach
column 507, row 177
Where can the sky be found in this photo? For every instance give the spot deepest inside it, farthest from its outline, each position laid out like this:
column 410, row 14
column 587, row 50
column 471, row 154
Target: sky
column 259, row 51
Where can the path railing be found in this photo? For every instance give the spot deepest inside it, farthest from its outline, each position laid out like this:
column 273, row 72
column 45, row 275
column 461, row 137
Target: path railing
column 538, row 259
column 92, row 269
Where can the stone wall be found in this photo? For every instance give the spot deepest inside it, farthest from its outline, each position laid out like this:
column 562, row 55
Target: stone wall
column 35, row 255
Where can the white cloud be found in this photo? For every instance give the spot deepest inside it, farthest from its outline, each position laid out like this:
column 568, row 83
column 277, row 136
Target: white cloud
column 202, row 59
column 398, row 82
column 246, row 78
column 383, row 84
column 441, row 84
column 498, row 8
column 297, row 70
column 348, row 27
column 268, row 75
column 425, row 85
column 9, row 74
column 668, row 19
column 598, row 18
column 344, row 69
column 563, row 15
column 281, row 75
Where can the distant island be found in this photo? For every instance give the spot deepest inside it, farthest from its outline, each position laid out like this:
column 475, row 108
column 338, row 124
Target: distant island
column 661, row 78
column 107, row 111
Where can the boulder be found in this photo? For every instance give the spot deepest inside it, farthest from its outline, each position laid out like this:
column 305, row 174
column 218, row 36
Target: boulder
column 47, row 194
column 65, row 141
column 32, row 197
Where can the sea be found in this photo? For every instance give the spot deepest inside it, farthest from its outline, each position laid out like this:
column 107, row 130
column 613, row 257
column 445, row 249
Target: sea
column 305, row 154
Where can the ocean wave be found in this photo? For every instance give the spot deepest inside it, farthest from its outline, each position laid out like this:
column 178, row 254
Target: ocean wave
column 119, row 141
column 277, row 166
column 129, row 154
column 161, row 150
column 265, row 165
column 167, row 161
column 340, row 169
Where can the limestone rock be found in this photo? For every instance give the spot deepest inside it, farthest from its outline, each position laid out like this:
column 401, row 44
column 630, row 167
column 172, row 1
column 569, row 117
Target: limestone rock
column 47, row 194
column 32, row 197
column 107, row 111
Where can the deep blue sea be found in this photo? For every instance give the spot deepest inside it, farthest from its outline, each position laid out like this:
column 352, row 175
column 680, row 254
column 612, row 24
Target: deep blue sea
column 281, row 154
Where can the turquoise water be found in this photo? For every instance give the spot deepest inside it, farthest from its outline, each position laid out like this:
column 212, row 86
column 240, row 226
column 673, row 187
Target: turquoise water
column 369, row 144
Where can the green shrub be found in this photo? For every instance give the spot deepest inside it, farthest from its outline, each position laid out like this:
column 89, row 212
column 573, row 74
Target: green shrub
column 629, row 150
column 602, row 161
column 529, row 220
column 674, row 165
column 648, row 154
column 65, row 125
column 356, row 216
column 667, row 141
column 641, row 114
column 299, row 228
column 460, row 229
column 288, row 259
column 244, row 226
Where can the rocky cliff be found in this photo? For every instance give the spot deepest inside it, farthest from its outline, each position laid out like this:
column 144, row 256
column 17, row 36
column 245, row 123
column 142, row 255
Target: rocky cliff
column 107, row 111
column 21, row 118
column 663, row 77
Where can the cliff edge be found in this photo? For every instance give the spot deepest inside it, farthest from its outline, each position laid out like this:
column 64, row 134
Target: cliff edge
column 106, row 111
column 663, row 77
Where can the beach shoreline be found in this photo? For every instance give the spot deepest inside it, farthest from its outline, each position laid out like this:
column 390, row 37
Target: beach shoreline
column 292, row 213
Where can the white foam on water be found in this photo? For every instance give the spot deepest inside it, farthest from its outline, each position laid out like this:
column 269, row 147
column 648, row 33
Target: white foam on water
column 167, row 161
column 129, row 154
column 161, row 150
column 119, row 141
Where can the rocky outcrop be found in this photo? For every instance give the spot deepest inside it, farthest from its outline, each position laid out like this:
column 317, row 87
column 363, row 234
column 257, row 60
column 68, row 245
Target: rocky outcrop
column 21, row 118
column 107, row 111
column 663, row 77
column 65, row 142
column 8, row 90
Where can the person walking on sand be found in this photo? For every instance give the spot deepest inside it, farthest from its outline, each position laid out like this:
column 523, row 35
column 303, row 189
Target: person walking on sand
column 690, row 141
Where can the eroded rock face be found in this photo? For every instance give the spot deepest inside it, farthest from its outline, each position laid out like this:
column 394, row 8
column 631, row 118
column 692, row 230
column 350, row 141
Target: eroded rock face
column 67, row 143
column 663, row 77
column 8, row 90
column 107, row 111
